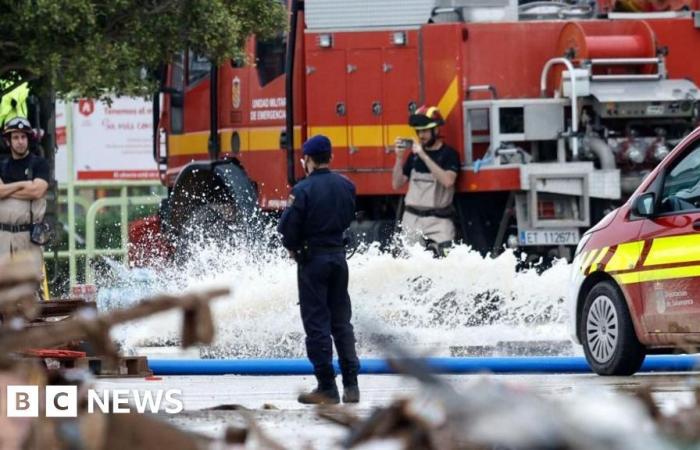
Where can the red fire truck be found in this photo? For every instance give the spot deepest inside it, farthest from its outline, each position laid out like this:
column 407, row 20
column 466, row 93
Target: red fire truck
column 558, row 110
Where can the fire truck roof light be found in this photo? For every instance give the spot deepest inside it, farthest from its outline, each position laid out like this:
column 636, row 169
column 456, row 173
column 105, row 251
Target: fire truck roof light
column 325, row 40
column 398, row 38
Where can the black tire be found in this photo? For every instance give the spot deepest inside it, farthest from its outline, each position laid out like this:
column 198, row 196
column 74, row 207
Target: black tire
column 607, row 332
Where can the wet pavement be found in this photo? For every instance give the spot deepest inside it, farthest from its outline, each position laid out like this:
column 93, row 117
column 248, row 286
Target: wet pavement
column 271, row 401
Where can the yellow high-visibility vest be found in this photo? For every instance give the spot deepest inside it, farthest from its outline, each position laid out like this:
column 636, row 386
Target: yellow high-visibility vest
column 14, row 103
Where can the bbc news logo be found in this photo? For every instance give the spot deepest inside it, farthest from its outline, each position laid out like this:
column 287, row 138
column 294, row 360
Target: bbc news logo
column 62, row 401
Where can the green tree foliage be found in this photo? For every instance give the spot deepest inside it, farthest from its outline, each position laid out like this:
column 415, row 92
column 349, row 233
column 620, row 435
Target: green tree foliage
column 99, row 48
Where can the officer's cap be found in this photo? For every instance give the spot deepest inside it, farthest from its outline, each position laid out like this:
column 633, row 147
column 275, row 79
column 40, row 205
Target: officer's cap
column 317, row 144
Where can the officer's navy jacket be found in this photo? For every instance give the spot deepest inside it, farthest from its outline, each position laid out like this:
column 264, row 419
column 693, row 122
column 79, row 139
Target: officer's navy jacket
column 320, row 209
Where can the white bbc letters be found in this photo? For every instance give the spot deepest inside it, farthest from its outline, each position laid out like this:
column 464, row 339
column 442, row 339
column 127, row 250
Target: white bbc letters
column 22, row 401
column 61, row 401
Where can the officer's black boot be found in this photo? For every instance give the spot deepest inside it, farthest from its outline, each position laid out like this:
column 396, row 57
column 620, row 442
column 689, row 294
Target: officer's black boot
column 325, row 393
column 351, row 390
column 349, row 365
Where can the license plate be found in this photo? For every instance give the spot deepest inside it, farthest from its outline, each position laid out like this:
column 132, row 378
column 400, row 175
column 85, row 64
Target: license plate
column 549, row 237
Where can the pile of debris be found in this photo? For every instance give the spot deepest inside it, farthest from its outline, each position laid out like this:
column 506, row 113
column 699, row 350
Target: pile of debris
column 20, row 336
column 494, row 415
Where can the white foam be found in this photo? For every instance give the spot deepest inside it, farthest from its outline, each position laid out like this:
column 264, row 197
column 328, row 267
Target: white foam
column 428, row 304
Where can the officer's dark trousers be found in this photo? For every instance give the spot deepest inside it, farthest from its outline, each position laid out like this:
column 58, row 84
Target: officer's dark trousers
column 326, row 312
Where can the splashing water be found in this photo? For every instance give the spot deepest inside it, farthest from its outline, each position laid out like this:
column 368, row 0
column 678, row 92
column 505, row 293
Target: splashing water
column 463, row 302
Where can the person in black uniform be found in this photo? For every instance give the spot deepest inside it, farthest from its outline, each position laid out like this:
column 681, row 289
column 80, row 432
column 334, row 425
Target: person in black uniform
column 319, row 210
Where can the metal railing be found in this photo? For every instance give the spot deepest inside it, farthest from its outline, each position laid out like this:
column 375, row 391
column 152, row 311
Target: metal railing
column 92, row 209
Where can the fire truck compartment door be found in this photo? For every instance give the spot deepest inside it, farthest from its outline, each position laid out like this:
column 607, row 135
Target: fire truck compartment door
column 326, row 100
column 401, row 91
column 365, row 108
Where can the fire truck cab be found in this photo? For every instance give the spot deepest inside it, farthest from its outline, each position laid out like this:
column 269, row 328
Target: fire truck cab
column 558, row 112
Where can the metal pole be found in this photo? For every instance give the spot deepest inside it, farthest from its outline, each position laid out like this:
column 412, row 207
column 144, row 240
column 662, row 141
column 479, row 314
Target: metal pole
column 96, row 252
column 574, row 102
column 297, row 6
column 70, row 190
column 214, row 145
column 124, row 225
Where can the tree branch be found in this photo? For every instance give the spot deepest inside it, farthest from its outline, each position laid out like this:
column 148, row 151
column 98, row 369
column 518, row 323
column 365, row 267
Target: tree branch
column 164, row 6
column 12, row 67
column 116, row 23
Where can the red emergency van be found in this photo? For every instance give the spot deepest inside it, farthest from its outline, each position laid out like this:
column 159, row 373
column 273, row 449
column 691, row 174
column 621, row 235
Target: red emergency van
column 635, row 283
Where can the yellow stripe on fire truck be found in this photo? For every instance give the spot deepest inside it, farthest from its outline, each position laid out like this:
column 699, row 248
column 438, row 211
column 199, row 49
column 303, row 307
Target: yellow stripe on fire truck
column 267, row 138
column 449, row 98
column 255, row 139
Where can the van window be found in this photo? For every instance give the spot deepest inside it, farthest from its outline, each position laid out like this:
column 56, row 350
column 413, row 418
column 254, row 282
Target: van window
column 681, row 190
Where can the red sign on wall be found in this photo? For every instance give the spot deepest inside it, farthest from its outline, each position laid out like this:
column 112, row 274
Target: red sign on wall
column 86, row 106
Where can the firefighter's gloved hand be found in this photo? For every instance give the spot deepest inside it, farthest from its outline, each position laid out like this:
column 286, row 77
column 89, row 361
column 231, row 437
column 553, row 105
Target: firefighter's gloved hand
column 477, row 165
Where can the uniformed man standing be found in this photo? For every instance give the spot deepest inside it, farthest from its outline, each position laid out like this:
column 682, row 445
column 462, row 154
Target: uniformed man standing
column 430, row 171
column 24, row 180
column 320, row 209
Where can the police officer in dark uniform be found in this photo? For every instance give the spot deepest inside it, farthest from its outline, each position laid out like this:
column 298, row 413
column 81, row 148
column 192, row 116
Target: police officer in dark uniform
column 320, row 209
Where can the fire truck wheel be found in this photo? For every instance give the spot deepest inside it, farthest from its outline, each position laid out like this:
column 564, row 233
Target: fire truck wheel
column 609, row 340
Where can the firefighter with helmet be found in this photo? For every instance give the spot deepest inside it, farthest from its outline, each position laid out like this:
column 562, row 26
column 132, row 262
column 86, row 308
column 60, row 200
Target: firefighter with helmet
column 431, row 171
column 24, row 181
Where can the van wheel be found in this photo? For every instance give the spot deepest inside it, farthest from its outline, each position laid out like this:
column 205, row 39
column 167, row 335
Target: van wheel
column 609, row 340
